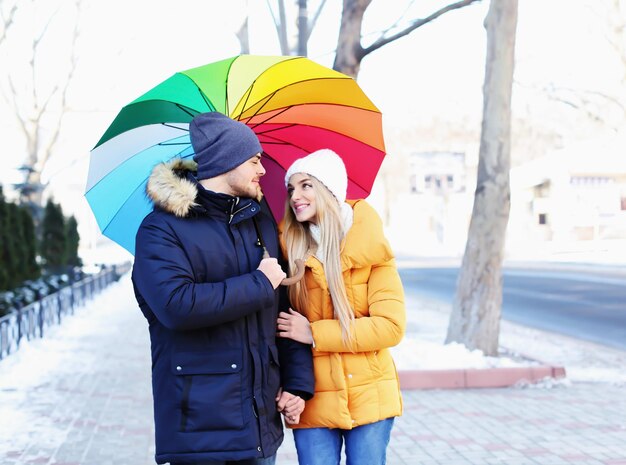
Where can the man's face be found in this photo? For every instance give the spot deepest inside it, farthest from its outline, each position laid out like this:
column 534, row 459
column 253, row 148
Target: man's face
column 243, row 181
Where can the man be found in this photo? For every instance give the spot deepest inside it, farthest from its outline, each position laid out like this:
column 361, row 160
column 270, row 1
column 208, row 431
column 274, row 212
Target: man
column 218, row 378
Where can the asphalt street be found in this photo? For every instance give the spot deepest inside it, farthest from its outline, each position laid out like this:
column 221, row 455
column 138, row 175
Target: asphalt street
column 586, row 304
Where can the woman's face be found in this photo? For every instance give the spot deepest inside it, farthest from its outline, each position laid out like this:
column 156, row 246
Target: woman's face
column 302, row 198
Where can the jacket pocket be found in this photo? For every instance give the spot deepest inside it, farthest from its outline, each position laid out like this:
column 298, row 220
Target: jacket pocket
column 209, row 389
column 375, row 365
column 273, row 369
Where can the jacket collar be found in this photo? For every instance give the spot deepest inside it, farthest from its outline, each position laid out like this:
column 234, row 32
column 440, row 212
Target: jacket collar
column 172, row 187
column 365, row 243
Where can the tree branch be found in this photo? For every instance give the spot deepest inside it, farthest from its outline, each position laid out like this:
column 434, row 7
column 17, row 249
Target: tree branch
column 416, row 24
column 396, row 22
column 281, row 26
column 7, row 21
column 276, row 25
column 16, row 108
column 47, row 151
column 313, row 22
column 581, row 107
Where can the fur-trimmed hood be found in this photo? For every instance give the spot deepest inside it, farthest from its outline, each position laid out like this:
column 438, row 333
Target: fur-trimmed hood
column 170, row 189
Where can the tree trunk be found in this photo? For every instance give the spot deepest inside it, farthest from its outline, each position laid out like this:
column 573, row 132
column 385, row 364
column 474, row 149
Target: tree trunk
column 349, row 49
column 243, row 34
column 475, row 318
column 303, row 28
column 282, row 29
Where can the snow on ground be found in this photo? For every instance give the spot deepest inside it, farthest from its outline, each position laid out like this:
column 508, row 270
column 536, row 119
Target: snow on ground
column 48, row 365
column 422, row 347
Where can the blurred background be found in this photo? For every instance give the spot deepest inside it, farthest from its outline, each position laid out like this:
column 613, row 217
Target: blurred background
column 68, row 66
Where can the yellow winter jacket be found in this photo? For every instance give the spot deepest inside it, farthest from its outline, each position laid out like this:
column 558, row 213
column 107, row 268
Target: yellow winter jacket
column 353, row 389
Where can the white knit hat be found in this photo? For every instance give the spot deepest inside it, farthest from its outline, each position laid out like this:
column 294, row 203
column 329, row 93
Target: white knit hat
column 327, row 167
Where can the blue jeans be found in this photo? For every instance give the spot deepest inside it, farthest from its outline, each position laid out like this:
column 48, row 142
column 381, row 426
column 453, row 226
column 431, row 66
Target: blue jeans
column 365, row 445
column 266, row 461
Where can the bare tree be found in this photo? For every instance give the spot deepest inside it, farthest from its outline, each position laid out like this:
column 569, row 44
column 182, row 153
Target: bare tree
column 604, row 107
column 350, row 51
column 475, row 318
column 305, row 27
column 34, row 107
column 7, row 14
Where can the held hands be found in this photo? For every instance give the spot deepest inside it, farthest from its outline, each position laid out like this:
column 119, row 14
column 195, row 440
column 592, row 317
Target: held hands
column 273, row 271
column 290, row 406
column 294, row 325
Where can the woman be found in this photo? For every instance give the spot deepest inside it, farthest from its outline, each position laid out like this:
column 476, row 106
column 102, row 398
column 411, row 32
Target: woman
column 350, row 308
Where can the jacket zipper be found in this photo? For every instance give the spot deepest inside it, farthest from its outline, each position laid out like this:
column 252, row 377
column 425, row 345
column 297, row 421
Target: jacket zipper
column 233, row 213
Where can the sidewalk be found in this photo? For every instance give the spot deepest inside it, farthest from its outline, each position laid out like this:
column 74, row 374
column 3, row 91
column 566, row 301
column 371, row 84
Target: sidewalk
column 82, row 397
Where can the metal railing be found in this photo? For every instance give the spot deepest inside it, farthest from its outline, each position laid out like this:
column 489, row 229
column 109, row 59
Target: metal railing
column 33, row 320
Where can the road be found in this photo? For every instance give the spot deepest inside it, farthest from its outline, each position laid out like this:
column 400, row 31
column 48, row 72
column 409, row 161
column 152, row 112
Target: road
column 586, row 304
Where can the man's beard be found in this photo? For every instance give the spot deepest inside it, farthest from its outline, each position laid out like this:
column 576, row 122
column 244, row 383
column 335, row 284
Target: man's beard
column 249, row 191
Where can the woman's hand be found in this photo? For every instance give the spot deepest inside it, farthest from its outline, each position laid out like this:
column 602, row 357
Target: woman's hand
column 294, row 325
column 290, row 406
column 294, row 420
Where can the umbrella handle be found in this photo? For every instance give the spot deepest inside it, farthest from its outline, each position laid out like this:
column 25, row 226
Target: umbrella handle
column 295, row 278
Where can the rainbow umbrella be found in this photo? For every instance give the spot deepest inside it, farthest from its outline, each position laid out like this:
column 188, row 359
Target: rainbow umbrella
column 294, row 105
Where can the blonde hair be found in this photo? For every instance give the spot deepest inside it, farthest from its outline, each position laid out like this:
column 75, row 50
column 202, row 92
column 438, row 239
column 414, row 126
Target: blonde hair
column 300, row 243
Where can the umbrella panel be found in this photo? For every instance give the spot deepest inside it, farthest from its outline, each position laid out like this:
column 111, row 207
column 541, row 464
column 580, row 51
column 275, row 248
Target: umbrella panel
column 294, row 105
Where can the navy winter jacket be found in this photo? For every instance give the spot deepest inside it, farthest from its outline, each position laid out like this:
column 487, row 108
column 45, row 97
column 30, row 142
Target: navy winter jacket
column 217, row 364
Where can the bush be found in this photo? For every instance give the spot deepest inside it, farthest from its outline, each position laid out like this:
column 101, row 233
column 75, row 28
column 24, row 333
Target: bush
column 6, row 303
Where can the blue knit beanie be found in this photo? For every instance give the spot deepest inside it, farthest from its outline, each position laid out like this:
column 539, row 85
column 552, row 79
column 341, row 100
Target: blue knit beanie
column 220, row 143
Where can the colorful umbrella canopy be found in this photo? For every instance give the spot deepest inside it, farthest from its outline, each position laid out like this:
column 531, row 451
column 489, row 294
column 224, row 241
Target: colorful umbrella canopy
column 294, row 105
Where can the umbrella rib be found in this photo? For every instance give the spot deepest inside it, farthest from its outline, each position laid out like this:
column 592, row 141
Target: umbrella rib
column 205, row 98
column 226, row 100
column 247, row 97
column 184, row 108
column 246, row 101
column 289, row 125
column 304, row 150
column 174, row 127
column 141, row 184
column 254, row 125
column 285, row 87
column 252, row 86
column 283, row 142
column 271, row 96
column 285, row 126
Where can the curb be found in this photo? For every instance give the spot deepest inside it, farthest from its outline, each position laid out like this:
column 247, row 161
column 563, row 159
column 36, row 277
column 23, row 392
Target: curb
column 477, row 377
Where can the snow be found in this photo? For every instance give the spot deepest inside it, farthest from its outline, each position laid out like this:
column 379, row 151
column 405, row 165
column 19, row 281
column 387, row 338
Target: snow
column 422, row 348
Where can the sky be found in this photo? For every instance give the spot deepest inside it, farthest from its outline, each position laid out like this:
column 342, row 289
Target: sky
column 436, row 73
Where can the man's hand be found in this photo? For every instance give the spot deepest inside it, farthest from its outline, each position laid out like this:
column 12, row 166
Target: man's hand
column 295, row 326
column 273, row 271
column 290, row 406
